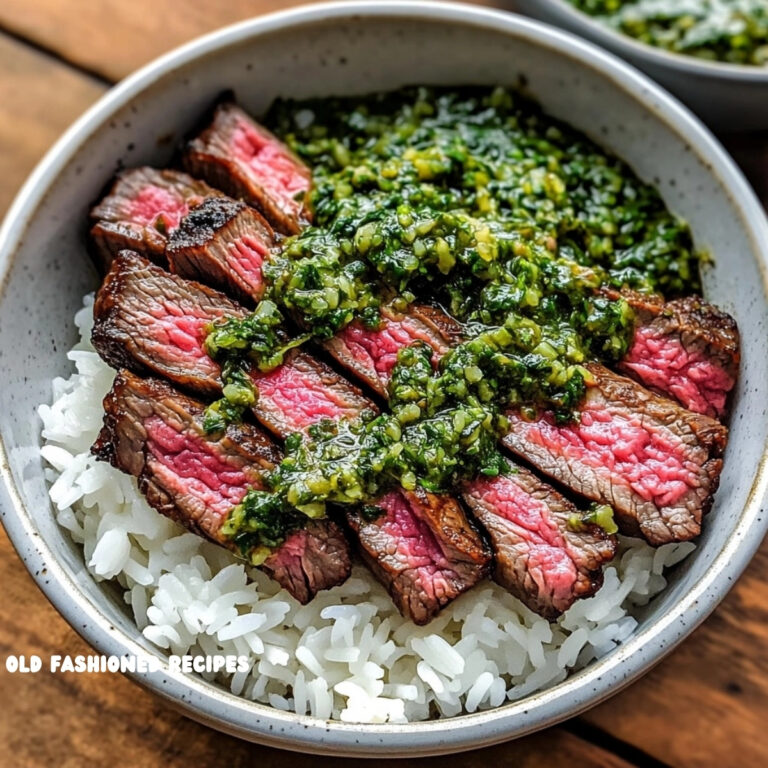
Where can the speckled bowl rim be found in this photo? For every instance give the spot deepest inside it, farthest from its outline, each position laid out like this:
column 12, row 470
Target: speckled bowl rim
column 610, row 38
column 212, row 705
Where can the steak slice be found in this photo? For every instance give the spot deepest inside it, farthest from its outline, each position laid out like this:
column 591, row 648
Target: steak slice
column 148, row 321
column 301, row 392
column 538, row 557
column 223, row 243
column 655, row 463
column 242, row 158
column 291, row 398
column 686, row 349
column 155, row 433
column 371, row 354
column 422, row 549
column 313, row 558
column 143, row 207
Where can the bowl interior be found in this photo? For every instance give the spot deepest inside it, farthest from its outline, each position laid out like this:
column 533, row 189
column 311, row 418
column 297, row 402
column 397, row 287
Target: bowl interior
column 337, row 52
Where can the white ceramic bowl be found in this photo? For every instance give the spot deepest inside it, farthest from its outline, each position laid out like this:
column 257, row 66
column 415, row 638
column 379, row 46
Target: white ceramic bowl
column 728, row 97
column 355, row 48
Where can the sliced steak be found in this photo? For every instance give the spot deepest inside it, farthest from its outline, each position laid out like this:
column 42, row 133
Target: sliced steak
column 301, row 392
column 371, row 354
column 224, row 244
column 149, row 321
column 439, row 539
column 422, row 549
column 655, row 463
column 538, row 557
column 313, row 558
column 291, row 397
column 686, row 349
column 141, row 210
column 155, row 433
column 242, row 158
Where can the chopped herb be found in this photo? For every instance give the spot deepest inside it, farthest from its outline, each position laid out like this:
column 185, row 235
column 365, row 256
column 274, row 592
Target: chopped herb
column 598, row 514
column 260, row 523
column 476, row 200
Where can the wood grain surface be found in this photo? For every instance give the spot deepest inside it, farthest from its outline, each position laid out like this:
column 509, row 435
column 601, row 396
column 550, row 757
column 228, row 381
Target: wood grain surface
column 143, row 29
column 705, row 706
column 39, row 98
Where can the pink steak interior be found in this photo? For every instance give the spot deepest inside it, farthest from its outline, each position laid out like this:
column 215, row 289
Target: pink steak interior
column 245, row 256
column 532, row 522
column 660, row 361
column 192, row 466
column 376, row 350
column 414, row 546
column 270, row 164
column 178, row 335
column 648, row 459
column 153, row 204
column 301, row 397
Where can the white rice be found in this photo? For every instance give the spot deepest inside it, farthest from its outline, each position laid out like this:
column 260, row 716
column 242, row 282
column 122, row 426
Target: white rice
column 348, row 655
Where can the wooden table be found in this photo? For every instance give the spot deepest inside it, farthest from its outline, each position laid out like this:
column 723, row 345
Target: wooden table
column 706, row 705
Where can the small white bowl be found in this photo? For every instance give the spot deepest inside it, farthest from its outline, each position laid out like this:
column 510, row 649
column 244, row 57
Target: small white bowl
column 728, row 97
column 346, row 48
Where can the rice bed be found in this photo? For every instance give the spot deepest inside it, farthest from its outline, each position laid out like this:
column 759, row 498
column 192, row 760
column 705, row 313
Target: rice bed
column 348, row 654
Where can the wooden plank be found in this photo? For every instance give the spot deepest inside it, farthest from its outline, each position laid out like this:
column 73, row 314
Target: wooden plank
column 39, row 98
column 135, row 32
column 93, row 720
column 705, row 705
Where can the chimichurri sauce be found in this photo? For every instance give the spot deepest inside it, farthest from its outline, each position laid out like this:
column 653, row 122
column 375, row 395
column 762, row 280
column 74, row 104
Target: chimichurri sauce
column 734, row 31
column 509, row 219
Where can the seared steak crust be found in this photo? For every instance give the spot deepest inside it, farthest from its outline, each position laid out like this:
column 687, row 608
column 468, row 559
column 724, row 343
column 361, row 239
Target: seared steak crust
column 142, row 208
column 155, row 433
column 222, row 243
column 242, row 158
